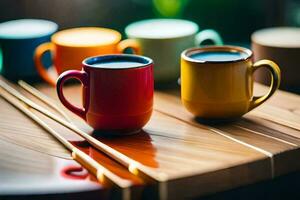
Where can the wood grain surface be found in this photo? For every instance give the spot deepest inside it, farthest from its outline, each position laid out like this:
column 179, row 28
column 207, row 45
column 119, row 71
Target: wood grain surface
column 195, row 157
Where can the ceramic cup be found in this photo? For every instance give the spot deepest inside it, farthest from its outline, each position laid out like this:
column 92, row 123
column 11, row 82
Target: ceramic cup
column 18, row 40
column 281, row 44
column 163, row 40
column 217, row 81
column 69, row 47
column 117, row 99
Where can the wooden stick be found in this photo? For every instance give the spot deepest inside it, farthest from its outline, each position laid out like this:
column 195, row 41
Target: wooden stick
column 43, row 98
column 133, row 166
column 90, row 164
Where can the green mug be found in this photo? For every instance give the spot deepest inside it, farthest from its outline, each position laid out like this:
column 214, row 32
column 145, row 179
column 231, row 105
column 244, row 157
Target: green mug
column 163, row 40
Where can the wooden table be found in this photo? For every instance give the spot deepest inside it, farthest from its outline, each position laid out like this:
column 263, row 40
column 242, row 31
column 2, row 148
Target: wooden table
column 196, row 159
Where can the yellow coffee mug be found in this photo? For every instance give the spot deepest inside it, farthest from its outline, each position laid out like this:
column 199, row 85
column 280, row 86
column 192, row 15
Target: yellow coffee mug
column 70, row 47
column 217, row 81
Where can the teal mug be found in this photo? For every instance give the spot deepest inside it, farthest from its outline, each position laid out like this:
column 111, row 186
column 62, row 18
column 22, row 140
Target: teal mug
column 163, row 40
column 18, row 40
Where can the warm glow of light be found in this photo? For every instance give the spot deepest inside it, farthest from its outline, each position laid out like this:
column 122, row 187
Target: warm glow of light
column 133, row 169
column 100, row 175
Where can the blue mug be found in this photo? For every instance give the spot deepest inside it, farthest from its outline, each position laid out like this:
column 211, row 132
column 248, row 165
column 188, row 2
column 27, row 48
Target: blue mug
column 18, row 40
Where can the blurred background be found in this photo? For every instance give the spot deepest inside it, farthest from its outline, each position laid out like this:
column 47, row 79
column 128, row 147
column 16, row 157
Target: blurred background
column 234, row 19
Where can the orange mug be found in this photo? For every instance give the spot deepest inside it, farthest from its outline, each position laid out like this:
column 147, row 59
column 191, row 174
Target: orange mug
column 69, row 47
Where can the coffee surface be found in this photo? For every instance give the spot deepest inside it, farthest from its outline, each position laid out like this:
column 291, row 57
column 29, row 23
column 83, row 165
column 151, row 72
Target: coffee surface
column 218, row 56
column 117, row 64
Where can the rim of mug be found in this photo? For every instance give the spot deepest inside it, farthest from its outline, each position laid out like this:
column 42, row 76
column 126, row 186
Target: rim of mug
column 53, row 30
column 255, row 37
column 133, row 36
column 226, row 48
column 148, row 61
column 57, row 42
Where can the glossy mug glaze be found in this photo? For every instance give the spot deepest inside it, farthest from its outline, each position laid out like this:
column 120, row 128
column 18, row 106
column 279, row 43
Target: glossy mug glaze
column 216, row 88
column 115, row 99
column 18, row 40
column 163, row 40
column 69, row 47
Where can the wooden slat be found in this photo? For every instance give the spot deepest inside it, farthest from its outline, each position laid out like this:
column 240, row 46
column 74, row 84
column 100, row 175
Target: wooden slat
column 177, row 150
column 281, row 99
column 281, row 151
column 20, row 130
column 17, row 129
column 196, row 159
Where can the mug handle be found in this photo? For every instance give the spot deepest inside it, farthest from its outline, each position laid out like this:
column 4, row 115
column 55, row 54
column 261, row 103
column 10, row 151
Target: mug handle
column 129, row 43
column 38, row 54
column 208, row 34
column 275, row 81
column 82, row 76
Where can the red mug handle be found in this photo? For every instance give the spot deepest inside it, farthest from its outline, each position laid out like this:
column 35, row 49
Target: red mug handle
column 82, row 76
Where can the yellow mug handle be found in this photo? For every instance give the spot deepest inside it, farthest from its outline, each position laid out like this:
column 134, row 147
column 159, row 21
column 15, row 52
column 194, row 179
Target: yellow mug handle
column 275, row 81
column 129, row 43
column 38, row 54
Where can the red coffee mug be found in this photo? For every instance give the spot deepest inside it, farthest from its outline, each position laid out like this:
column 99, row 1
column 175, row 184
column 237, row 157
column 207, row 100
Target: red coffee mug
column 115, row 99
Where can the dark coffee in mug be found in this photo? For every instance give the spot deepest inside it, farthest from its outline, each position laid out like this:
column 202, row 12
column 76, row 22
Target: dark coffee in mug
column 218, row 56
column 117, row 65
column 113, row 62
